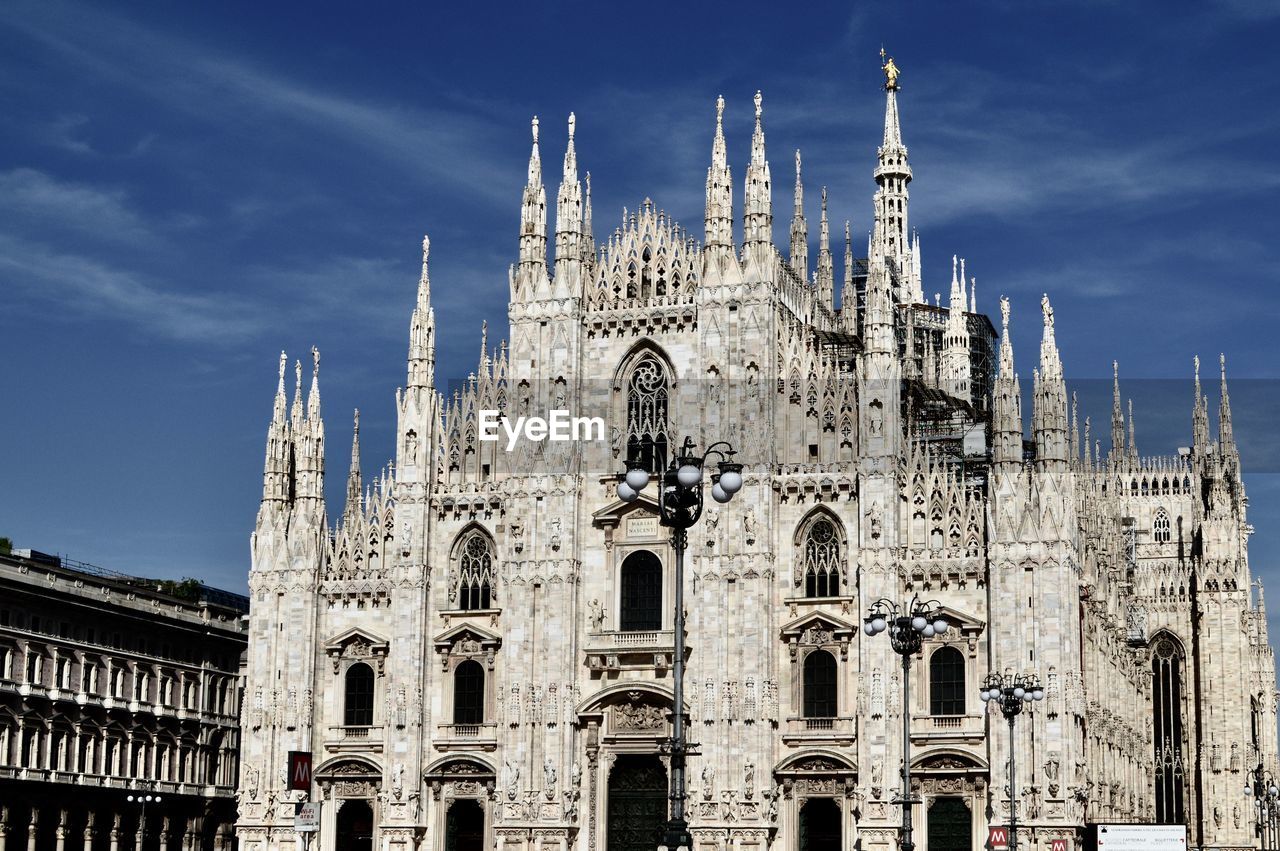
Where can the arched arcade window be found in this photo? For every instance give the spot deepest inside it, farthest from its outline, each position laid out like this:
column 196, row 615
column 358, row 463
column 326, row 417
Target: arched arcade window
column 640, row 608
column 1166, row 697
column 647, row 414
column 821, row 557
column 476, row 558
column 358, row 696
column 1160, row 529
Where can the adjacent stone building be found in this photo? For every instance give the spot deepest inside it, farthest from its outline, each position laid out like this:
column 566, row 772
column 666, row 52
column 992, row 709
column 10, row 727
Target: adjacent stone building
column 477, row 649
column 111, row 688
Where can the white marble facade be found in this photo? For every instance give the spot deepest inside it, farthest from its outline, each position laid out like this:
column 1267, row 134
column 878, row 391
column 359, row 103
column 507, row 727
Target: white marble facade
column 472, row 665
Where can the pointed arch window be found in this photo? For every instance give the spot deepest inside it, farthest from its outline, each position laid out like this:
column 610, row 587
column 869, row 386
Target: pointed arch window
column 358, row 702
column 1166, row 696
column 468, row 693
column 821, row 557
column 1161, row 528
column 648, row 397
column 820, row 685
column 476, row 559
column 946, row 682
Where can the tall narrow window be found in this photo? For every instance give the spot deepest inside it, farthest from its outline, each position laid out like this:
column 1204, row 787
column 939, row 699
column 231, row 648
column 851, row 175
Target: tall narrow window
column 641, row 598
column 819, row 685
column 1253, row 722
column 476, row 559
column 359, row 696
column 468, row 693
column 821, row 558
column 1166, row 697
column 1161, row 528
column 946, row 682
column 647, row 398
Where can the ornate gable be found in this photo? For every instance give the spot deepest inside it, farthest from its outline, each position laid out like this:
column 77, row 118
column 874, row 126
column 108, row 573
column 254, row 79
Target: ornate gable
column 357, row 644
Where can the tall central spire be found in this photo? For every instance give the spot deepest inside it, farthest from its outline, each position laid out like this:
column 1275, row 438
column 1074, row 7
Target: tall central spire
column 892, row 175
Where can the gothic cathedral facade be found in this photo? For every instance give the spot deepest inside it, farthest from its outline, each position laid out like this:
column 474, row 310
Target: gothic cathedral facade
column 478, row 649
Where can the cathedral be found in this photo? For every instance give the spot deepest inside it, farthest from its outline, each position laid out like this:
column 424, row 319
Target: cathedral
column 478, row 652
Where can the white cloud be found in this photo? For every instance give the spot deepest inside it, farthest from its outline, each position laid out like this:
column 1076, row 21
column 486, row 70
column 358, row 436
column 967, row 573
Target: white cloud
column 33, row 198
column 88, row 288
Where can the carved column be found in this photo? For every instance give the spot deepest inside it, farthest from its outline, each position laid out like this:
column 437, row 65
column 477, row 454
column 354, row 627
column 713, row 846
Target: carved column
column 34, row 829
column 4, row 827
column 90, row 828
column 60, row 834
column 115, row 832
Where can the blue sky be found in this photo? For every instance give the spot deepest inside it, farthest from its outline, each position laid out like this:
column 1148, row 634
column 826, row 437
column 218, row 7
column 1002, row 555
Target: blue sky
column 186, row 189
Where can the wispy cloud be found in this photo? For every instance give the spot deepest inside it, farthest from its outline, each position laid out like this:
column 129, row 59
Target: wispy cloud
column 445, row 147
column 88, row 288
column 35, row 199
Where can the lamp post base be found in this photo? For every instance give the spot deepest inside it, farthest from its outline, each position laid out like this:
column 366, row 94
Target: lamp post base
column 676, row 836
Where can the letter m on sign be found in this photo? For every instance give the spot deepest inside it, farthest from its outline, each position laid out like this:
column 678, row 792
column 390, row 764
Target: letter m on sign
column 300, row 770
column 998, row 838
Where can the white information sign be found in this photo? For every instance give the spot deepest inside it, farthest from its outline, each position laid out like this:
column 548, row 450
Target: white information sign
column 307, row 819
column 1141, row 837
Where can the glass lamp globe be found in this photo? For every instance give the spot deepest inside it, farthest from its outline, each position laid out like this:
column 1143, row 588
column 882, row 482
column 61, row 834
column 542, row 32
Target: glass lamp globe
column 731, row 481
column 985, row 695
column 1018, row 692
column 928, row 631
column 940, row 626
column 626, row 493
column 1038, row 694
column 689, row 475
column 878, row 624
column 719, row 494
column 868, row 629
column 1028, row 696
column 637, row 479
column 919, row 622
column 129, row 798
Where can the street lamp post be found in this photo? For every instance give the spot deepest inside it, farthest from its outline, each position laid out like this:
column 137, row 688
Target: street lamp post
column 907, row 626
column 1012, row 692
column 679, row 507
column 1265, row 792
column 142, row 799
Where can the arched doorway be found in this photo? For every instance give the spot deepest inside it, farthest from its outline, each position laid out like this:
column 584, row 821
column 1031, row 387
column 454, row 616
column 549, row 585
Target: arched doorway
column 820, row 825
column 637, row 811
column 950, row 825
column 355, row 826
column 464, row 826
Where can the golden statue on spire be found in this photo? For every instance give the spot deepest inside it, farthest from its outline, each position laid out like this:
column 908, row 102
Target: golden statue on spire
column 890, row 72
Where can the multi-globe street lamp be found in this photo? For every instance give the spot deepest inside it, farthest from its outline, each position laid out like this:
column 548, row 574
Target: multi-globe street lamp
column 679, row 507
column 1012, row 692
column 142, row 799
column 908, row 626
column 1264, row 791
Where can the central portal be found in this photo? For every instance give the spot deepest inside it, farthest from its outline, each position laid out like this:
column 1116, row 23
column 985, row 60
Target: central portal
column 637, row 813
column 355, row 826
column 950, row 825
